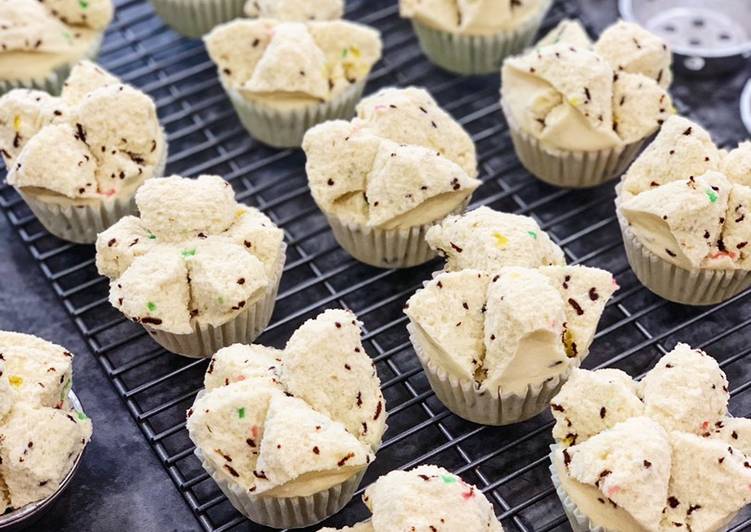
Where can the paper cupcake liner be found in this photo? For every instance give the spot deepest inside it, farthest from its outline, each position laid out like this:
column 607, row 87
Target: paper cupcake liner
column 194, row 18
column 571, row 169
column 484, row 407
column 285, row 128
column 577, row 519
column 671, row 282
column 51, row 82
column 82, row 223
column 386, row 248
column 477, row 54
column 205, row 340
column 284, row 512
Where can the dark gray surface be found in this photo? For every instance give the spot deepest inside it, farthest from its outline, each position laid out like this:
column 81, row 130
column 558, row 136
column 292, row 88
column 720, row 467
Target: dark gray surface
column 120, row 486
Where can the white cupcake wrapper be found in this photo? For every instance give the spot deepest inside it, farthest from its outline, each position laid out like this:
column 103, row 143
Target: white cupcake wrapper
column 205, row 340
column 194, row 18
column 477, row 54
column 285, row 128
column 484, row 407
column 51, row 82
column 284, row 512
column 671, row 282
column 81, row 223
column 386, row 248
column 570, row 169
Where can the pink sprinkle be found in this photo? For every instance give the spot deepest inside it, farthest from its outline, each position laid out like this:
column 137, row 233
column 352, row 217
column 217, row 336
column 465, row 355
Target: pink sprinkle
column 240, row 378
column 254, row 431
column 110, row 192
column 718, row 254
column 613, row 490
column 469, row 494
column 705, row 425
column 379, row 107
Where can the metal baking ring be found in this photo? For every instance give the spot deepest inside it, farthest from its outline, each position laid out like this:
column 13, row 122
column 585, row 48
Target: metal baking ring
column 707, row 38
column 25, row 516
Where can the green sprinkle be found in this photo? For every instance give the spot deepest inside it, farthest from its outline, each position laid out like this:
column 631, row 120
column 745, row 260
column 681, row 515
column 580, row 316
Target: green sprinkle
column 84, row 4
column 189, row 252
column 448, row 479
column 82, row 416
column 533, row 234
column 68, row 37
column 221, row 300
column 344, row 52
column 712, row 195
column 152, row 237
column 241, row 412
column 151, row 306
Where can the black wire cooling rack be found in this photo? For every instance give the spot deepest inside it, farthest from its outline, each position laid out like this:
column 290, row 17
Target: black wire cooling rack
column 510, row 464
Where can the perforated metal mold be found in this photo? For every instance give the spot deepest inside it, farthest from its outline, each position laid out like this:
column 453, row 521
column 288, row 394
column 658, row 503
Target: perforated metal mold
column 508, row 463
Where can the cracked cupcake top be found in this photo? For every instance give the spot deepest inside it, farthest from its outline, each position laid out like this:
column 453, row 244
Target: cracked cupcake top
column 195, row 254
column 49, row 25
column 296, row 421
column 283, row 62
column 295, row 10
column 689, row 202
column 574, row 96
column 478, row 17
column 401, row 162
column 484, row 327
column 99, row 139
column 41, row 435
column 659, row 454
column 425, row 498
column 485, row 239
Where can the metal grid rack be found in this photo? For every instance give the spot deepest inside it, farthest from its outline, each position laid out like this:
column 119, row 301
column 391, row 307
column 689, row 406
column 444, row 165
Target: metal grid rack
column 508, row 463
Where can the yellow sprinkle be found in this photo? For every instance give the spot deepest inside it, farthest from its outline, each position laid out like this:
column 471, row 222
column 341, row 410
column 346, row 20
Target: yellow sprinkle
column 355, row 51
column 500, row 240
column 568, row 344
column 15, row 381
column 673, row 110
column 574, row 101
column 239, row 213
column 569, row 440
column 17, row 122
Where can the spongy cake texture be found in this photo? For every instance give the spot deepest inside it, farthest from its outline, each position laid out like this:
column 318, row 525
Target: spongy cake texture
column 194, row 254
column 41, row 436
column 99, row 139
column 401, row 162
column 295, row 421
column 574, row 96
column 688, row 202
column 478, row 17
column 661, row 453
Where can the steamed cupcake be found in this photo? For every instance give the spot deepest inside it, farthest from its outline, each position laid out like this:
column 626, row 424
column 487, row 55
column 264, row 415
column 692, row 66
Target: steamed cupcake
column 657, row 455
column 41, row 41
column 285, row 77
column 426, row 498
column 383, row 179
column 579, row 112
column 684, row 208
column 497, row 345
column 473, row 37
column 295, row 10
column 41, row 435
column 288, row 433
column 78, row 159
column 198, row 270
column 194, row 18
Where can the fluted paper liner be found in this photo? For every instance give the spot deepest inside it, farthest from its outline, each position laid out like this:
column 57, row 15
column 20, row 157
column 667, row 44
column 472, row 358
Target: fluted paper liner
column 477, row 54
column 669, row 281
column 387, row 248
column 51, row 82
column 285, row 128
column 80, row 223
column 284, row 512
column 577, row 519
column 570, row 169
column 205, row 340
column 464, row 399
column 194, row 18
